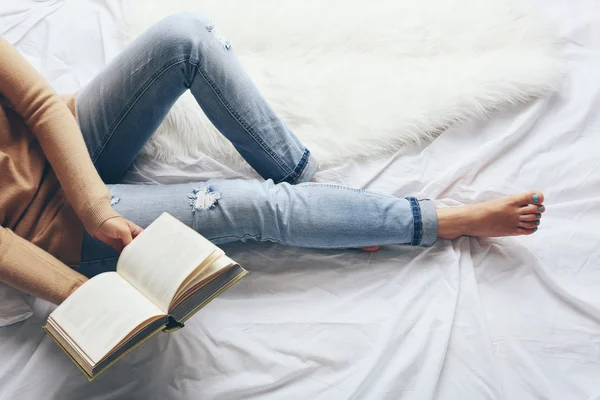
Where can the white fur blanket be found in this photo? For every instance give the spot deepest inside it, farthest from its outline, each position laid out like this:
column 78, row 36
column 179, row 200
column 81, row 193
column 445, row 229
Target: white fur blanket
column 355, row 78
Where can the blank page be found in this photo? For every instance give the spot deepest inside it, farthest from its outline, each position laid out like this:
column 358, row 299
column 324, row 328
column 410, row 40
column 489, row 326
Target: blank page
column 159, row 260
column 103, row 311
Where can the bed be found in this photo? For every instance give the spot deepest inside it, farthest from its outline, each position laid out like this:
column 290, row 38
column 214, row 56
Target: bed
column 513, row 318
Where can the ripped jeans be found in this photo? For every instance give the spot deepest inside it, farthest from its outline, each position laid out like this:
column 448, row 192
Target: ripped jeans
column 122, row 107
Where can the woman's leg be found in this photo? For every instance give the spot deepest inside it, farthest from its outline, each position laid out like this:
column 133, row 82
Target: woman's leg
column 307, row 215
column 310, row 215
column 122, row 107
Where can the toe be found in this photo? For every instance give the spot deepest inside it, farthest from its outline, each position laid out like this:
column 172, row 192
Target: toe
column 370, row 249
column 533, row 209
column 536, row 196
column 529, row 217
column 530, row 197
column 529, row 225
column 523, row 231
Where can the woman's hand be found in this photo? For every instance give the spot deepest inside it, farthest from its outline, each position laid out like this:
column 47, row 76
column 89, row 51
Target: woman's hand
column 117, row 232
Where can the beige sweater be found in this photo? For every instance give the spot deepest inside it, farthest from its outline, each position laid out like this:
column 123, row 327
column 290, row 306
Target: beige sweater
column 49, row 188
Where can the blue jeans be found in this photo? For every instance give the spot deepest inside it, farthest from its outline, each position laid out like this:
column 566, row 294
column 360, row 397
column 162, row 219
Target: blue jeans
column 122, row 107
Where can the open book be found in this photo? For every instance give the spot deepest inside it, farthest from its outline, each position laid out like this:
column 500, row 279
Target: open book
column 163, row 277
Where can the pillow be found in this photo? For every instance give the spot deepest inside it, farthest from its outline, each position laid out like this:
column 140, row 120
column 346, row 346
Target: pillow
column 15, row 306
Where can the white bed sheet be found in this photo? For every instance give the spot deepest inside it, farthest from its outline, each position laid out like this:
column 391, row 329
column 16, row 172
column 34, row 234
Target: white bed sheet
column 515, row 318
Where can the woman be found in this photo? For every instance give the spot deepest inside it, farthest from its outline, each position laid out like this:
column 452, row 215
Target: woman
column 55, row 169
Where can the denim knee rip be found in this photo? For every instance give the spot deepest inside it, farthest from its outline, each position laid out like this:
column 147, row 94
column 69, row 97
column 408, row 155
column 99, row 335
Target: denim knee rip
column 203, row 199
column 226, row 43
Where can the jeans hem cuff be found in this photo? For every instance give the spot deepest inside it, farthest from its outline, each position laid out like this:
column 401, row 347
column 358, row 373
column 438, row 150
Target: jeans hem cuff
column 308, row 168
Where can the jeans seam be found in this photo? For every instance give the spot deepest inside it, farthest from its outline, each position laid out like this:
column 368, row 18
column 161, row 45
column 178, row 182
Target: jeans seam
column 239, row 118
column 134, row 101
column 307, row 184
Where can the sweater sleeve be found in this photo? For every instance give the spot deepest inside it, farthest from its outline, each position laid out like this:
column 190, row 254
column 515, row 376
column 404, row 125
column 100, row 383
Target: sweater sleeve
column 56, row 130
column 30, row 269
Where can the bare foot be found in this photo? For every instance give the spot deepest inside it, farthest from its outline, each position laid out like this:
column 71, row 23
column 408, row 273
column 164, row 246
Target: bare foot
column 514, row 215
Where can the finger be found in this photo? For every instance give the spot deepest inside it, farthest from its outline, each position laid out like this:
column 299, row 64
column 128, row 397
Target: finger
column 115, row 244
column 135, row 229
column 125, row 235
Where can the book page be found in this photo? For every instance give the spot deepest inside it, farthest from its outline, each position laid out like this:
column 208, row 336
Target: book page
column 102, row 312
column 213, row 288
column 162, row 257
column 202, row 276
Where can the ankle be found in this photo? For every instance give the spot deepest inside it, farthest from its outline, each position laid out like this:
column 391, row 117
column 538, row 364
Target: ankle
column 453, row 222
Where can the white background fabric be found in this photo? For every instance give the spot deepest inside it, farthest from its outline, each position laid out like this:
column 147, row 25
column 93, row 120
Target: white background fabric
column 358, row 78
column 15, row 306
column 515, row 318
